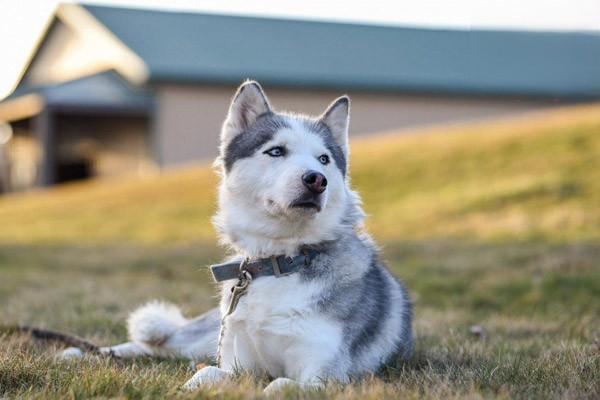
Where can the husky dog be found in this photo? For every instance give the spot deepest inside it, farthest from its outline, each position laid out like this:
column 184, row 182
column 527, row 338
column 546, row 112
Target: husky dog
column 285, row 192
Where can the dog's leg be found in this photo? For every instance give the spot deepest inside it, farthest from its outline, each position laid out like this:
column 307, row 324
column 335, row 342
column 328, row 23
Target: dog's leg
column 127, row 350
column 211, row 375
column 312, row 357
column 243, row 358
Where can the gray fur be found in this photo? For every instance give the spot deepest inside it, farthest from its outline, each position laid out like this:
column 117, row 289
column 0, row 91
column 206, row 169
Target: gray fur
column 322, row 130
column 264, row 129
column 372, row 303
column 205, row 324
column 257, row 134
column 404, row 345
column 363, row 303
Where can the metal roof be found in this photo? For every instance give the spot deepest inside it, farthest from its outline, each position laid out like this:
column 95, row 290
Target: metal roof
column 103, row 91
column 217, row 48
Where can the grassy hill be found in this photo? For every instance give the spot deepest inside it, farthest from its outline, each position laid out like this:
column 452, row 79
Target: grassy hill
column 530, row 177
column 493, row 224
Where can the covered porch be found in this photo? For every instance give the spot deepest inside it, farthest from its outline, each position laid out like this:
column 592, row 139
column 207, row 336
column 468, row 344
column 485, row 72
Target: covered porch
column 95, row 126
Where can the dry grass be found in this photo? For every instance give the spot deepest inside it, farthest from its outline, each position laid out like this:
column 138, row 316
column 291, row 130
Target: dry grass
column 496, row 224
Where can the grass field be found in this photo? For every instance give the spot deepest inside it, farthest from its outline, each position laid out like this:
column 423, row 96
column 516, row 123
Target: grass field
column 491, row 224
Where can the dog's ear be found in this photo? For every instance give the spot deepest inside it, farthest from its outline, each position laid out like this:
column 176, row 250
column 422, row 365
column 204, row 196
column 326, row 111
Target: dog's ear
column 247, row 105
column 337, row 119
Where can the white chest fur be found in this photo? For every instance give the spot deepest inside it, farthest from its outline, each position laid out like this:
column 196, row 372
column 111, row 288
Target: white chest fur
column 276, row 329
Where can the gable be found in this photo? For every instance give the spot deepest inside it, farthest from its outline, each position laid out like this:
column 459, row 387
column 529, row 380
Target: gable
column 76, row 45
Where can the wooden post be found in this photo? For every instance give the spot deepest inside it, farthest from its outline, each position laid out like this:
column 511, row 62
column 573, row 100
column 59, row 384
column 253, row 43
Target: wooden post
column 44, row 130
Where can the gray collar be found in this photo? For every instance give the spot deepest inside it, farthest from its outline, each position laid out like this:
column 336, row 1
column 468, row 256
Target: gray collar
column 272, row 266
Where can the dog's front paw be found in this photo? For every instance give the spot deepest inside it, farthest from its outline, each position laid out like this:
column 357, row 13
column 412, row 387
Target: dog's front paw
column 279, row 385
column 206, row 377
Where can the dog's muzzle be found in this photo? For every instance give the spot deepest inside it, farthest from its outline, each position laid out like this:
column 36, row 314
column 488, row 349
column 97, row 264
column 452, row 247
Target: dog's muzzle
column 308, row 201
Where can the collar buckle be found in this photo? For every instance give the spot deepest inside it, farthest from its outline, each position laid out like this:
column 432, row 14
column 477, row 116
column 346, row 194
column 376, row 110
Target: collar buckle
column 277, row 269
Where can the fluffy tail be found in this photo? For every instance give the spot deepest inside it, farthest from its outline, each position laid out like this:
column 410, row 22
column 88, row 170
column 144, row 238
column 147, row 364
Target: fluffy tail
column 154, row 323
column 159, row 329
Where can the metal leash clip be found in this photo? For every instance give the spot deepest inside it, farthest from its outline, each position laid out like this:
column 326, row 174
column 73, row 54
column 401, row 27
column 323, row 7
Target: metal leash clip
column 240, row 287
column 237, row 291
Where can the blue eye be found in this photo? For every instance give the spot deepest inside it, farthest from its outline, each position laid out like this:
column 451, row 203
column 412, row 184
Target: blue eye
column 324, row 159
column 276, row 151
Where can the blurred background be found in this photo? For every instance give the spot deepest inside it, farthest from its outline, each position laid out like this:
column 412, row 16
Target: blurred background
column 132, row 87
column 475, row 132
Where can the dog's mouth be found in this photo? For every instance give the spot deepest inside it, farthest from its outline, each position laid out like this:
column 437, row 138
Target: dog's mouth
column 307, row 203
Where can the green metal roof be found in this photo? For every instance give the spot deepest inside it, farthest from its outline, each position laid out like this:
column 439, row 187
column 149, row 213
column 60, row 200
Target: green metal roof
column 203, row 47
column 105, row 90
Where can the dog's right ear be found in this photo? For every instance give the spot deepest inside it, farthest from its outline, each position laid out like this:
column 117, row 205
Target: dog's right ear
column 247, row 105
column 337, row 119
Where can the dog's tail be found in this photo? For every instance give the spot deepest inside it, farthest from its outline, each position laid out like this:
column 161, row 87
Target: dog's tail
column 154, row 323
column 163, row 330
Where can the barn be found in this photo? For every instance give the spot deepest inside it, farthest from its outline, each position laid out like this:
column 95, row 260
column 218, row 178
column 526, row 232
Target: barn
column 113, row 91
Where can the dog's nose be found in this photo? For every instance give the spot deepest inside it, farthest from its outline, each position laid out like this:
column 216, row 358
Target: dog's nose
column 314, row 181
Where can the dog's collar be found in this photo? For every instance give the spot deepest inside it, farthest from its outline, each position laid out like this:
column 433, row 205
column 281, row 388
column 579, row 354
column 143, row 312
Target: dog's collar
column 277, row 266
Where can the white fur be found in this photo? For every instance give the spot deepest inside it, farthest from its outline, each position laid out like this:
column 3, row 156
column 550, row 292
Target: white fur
column 154, row 322
column 281, row 337
column 207, row 377
column 254, row 199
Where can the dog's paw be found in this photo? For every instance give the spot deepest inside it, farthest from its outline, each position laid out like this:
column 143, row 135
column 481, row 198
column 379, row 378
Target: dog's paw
column 278, row 385
column 70, row 354
column 206, row 377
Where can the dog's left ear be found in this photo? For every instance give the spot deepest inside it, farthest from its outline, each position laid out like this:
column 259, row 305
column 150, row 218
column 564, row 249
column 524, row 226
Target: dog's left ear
column 337, row 119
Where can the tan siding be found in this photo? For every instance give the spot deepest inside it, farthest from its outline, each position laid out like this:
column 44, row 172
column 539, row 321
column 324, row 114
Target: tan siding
column 188, row 118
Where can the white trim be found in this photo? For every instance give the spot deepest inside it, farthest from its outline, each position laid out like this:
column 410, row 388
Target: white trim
column 21, row 107
column 125, row 60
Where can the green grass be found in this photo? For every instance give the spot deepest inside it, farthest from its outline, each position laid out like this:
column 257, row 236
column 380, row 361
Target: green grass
column 492, row 224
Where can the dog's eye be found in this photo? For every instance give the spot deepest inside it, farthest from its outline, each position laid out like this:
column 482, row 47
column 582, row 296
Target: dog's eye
column 276, row 151
column 324, row 159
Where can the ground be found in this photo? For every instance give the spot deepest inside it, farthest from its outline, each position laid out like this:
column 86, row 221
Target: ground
column 494, row 227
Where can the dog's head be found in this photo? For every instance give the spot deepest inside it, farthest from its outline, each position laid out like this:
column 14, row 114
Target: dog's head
column 284, row 176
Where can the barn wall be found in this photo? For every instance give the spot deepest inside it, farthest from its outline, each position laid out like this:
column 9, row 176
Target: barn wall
column 188, row 118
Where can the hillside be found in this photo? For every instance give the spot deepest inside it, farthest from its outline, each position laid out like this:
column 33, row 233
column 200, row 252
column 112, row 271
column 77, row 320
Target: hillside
column 494, row 225
column 529, row 177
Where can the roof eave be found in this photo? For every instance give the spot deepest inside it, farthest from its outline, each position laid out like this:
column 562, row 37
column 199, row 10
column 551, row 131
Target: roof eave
column 385, row 87
column 21, row 107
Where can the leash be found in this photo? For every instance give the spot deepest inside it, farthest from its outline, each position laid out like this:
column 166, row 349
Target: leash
column 237, row 291
column 52, row 336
